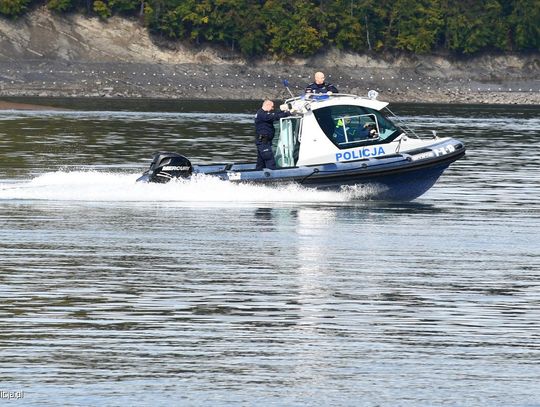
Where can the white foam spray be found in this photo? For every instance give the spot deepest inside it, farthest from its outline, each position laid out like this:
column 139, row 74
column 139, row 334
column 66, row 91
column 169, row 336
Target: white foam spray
column 95, row 186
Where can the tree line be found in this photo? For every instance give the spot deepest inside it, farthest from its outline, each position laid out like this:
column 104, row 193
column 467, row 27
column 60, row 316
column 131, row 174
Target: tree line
column 306, row 27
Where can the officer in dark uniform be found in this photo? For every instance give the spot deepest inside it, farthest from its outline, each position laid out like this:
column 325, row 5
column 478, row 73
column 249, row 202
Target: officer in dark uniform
column 264, row 127
column 320, row 86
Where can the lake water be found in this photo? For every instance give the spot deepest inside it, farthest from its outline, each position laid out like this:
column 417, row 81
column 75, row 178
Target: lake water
column 205, row 293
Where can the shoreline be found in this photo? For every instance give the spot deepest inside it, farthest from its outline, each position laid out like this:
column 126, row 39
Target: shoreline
column 36, row 105
column 248, row 82
column 7, row 105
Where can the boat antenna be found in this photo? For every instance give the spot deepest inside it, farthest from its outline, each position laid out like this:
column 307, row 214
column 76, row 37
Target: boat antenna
column 286, row 84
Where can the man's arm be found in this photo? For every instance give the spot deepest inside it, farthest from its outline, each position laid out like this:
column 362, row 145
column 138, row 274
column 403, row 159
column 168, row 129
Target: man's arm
column 264, row 116
column 332, row 88
column 310, row 88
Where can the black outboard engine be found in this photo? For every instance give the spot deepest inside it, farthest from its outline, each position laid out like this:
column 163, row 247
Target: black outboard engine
column 166, row 166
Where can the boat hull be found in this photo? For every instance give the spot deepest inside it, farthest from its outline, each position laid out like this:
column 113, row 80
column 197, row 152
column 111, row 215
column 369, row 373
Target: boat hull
column 397, row 180
column 398, row 177
column 394, row 185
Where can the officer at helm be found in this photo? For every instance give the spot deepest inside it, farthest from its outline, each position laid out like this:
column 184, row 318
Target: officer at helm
column 320, row 86
column 264, row 128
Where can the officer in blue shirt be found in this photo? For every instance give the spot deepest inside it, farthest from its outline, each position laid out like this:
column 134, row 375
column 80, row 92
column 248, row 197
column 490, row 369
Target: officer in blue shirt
column 264, row 127
column 320, row 86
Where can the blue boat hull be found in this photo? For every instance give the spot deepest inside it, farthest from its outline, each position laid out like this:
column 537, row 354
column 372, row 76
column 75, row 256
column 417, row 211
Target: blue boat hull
column 394, row 182
column 398, row 177
column 394, row 186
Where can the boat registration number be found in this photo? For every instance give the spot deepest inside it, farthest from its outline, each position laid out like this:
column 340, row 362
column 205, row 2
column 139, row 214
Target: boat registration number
column 233, row 176
column 435, row 153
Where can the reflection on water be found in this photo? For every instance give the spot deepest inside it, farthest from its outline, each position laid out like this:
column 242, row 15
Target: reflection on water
column 205, row 293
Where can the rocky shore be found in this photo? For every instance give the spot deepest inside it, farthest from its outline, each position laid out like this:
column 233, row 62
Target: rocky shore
column 47, row 55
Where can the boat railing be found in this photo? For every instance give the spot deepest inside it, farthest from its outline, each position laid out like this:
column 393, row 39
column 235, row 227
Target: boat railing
column 316, row 97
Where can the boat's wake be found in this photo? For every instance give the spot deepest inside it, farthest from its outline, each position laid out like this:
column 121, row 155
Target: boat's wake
column 93, row 186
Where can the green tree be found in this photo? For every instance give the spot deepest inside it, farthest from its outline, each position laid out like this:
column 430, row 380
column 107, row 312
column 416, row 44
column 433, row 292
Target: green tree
column 194, row 17
column 13, row 8
column 380, row 25
column 325, row 18
column 61, row 5
column 225, row 22
column 173, row 18
column 418, row 25
column 473, row 25
column 153, row 12
column 252, row 38
column 101, row 8
column 413, row 26
column 525, row 24
column 304, row 27
column 355, row 24
column 124, row 6
column 291, row 28
column 104, row 8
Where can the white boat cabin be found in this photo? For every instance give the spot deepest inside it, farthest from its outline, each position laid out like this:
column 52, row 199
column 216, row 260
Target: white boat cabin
column 338, row 128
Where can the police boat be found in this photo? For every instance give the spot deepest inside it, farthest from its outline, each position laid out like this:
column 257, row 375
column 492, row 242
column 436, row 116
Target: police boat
column 335, row 142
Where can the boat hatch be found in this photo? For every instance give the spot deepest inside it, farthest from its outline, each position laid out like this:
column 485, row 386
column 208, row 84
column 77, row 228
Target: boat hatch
column 349, row 126
column 288, row 143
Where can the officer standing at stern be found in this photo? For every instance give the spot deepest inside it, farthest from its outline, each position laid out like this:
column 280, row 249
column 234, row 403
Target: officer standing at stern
column 264, row 127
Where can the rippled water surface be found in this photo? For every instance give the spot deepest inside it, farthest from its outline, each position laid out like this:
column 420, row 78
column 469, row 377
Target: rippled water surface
column 205, row 293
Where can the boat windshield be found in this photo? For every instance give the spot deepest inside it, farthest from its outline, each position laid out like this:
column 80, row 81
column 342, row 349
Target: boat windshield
column 288, row 143
column 349, row 126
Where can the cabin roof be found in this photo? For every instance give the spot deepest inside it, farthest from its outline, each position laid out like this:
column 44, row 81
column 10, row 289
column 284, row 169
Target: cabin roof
column 317, row 101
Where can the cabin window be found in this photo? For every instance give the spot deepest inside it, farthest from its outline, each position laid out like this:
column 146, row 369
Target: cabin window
column 349, row 126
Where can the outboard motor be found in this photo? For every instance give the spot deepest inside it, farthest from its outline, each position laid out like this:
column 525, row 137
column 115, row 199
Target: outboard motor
column 166, row 166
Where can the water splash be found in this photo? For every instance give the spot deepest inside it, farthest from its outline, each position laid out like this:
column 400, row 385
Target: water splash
column 94, row 186
column 362, row 191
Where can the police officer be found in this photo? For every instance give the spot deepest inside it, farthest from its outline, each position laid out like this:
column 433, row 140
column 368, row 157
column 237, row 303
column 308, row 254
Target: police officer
column 264, row 127
column 320, row 86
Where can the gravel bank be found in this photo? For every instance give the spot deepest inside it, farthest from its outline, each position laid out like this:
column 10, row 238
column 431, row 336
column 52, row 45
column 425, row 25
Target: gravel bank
column 195, row 81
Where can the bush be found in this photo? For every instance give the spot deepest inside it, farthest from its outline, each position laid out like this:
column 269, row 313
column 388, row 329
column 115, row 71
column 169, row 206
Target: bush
column 13, row 8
